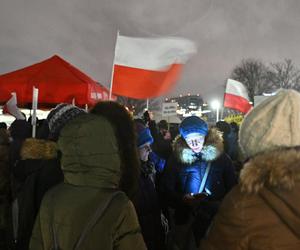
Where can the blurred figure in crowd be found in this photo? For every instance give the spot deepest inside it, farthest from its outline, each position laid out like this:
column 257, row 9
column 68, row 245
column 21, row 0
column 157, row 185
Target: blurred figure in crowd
column 162, row 140
column 5, row 191
column 38, row 170
column 147, row 203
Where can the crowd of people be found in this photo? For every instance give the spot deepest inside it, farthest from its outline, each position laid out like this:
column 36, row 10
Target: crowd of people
column 104, row 180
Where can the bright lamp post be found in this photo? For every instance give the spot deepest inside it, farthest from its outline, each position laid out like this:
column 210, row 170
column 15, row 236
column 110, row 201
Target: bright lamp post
column 216, row 105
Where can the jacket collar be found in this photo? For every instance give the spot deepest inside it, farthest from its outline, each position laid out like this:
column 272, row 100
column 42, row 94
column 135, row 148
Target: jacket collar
column 278, row 168
column 36, row 149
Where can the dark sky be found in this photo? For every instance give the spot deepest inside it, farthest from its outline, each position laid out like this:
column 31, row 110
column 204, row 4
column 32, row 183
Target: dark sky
column 84, row 31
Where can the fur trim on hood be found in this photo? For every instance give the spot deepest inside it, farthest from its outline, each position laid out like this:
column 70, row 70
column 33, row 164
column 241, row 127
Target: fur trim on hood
column 38, row 149
column 212, row 149
column 278, row 168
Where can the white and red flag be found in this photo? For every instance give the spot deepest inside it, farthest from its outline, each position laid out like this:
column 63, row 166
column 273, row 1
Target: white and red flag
column 148, row 67
column 236, row 96
column 10, row 107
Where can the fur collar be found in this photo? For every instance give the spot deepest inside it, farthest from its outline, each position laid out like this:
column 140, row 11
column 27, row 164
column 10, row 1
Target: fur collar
column 38, row 149
column 279, row 168
column 212, row 149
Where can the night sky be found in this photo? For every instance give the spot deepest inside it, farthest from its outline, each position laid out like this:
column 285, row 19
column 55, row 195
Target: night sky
column 84, row 32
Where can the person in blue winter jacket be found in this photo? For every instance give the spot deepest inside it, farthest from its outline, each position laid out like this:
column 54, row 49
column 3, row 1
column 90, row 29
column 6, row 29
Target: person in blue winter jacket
column 197, row 177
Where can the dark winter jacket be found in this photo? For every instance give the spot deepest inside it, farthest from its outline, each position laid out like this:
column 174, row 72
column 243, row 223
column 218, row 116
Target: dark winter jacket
column 161, row 146
column 92, row 170
column 36, row 172
column 263, row 211
column 5, row 191
column 19, row 131
column 148, row 209
column 185, row 170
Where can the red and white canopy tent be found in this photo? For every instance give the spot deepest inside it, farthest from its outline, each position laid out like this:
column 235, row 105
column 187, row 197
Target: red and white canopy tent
column 57, row 80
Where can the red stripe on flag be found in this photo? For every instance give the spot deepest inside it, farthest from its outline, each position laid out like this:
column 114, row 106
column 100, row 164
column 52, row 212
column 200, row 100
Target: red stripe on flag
column 143, row 84
column 236, row 102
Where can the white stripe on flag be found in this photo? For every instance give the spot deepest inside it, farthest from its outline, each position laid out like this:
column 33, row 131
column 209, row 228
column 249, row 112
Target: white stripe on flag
column 236, row 88
column 152, row 53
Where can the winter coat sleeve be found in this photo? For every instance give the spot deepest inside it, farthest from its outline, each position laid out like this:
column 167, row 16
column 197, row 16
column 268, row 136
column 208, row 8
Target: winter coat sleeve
column 229, row 228
column 128, row 233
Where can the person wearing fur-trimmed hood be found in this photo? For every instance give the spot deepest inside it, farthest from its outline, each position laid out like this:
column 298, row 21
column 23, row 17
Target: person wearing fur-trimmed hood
column 197, row 177
column 263, row 211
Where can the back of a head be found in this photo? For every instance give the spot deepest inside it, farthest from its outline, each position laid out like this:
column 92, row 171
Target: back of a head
column 223, row 127
column 60, row 116
column 123, row 124
column 3, row 125
column 120, row 119
column 4, row 140
column 273, row 124
column 90, row 150
column 20, row 129
column 163, row 124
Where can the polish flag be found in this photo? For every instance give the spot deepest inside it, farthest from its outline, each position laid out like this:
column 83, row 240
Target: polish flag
column 236, row 96
column 148, row 67
column 11, row 108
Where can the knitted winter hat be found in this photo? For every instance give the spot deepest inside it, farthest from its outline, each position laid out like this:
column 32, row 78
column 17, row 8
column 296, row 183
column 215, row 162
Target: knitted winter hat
column 143, row 134
column 193, row 124
column 273, row 124
column 60, row 116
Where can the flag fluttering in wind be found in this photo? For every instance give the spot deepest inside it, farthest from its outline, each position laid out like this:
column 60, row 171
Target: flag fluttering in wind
column 11, row 107
column 148, row 67
column 236, row 96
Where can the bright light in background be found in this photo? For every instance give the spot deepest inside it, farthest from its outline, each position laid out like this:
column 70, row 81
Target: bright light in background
column 215, row 104
column 269, row 94
column 8, row 119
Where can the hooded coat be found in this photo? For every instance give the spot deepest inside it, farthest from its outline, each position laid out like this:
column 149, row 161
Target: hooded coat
column 91, row 166
column 36, row 172
column 263, row 211
column 185, row 170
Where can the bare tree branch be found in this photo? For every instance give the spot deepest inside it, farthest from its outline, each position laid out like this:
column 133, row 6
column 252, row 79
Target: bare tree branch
column 253, row 74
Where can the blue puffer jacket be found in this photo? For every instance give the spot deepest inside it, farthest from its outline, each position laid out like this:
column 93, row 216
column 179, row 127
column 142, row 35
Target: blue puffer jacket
column 185, row 170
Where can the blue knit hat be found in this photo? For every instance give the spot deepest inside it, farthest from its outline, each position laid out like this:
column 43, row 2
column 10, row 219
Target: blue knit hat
column 143, row 134
column 193, row 124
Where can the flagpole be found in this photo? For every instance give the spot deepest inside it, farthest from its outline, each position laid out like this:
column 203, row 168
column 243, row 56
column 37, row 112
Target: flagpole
column 113, row 69
column 147, row 104
column 35, row 94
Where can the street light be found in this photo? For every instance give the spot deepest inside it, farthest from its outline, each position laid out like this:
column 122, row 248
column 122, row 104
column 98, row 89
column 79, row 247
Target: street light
column 215, row 104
